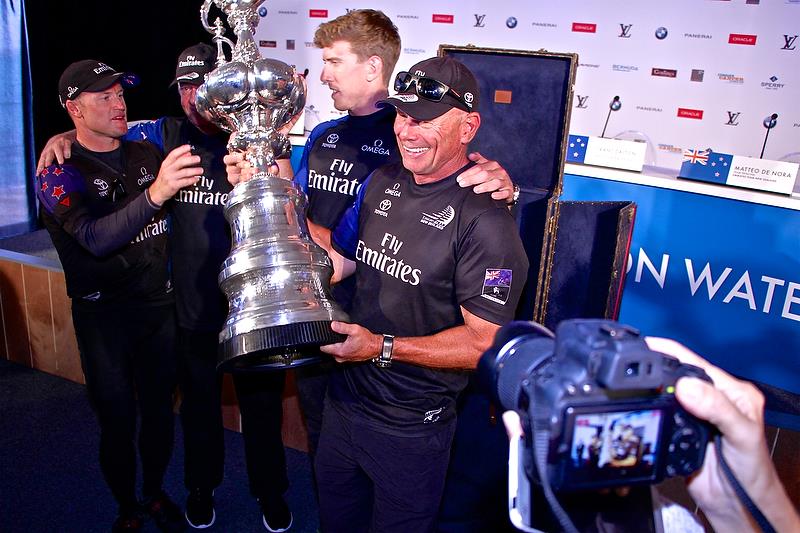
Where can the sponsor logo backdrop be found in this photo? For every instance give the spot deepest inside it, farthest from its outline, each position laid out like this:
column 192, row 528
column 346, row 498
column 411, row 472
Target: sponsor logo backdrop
column 682, row 69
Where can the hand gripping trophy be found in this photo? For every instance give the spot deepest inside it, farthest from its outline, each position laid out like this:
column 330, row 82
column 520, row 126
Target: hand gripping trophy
column 276, row 279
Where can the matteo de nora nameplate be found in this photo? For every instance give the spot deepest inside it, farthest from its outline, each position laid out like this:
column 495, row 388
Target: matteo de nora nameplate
column 603, row 152
column 739, row 171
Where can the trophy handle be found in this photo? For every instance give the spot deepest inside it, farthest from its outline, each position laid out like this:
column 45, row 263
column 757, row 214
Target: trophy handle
column 204, row 9
column 217, row 30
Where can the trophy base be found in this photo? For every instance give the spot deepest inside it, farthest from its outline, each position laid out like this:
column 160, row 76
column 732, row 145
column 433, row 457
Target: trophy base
column 277, row 347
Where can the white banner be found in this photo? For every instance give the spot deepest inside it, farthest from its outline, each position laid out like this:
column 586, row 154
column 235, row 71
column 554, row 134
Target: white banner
column 689, row 73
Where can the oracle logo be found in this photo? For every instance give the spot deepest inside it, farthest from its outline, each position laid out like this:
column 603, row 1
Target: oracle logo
column 318, row 13
column 443, row 19
column 584, row 27
column 690, row 113
column 741, row 38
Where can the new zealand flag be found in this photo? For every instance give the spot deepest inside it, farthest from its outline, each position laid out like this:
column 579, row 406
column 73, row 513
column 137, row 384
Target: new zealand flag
column 706, row 166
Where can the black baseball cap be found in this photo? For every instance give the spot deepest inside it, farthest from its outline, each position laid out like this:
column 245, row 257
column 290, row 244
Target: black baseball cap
column 448, row 71
column 90, row 75
column 194, row 63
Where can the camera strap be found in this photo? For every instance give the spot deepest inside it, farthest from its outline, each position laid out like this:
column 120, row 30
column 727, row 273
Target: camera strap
column 751, row 507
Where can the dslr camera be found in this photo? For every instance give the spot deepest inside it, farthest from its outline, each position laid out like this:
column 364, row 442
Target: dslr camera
column 597, row 406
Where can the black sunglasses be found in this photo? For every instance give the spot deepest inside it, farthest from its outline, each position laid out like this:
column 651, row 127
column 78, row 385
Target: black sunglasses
column 427, row 88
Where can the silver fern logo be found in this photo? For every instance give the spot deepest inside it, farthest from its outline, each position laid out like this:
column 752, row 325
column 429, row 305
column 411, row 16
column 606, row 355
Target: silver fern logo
column 439, row 220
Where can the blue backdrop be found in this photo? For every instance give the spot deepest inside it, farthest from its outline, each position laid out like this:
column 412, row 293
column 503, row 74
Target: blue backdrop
column 721, row 276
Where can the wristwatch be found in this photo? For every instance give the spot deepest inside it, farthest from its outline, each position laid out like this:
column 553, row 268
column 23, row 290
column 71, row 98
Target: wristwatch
column 384, row 359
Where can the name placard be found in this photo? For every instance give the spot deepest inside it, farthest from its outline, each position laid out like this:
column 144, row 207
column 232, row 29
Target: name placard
column 739, row 171
column 602, row 152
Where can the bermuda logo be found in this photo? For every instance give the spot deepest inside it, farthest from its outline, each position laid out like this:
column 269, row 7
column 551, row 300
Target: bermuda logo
column 439, row 220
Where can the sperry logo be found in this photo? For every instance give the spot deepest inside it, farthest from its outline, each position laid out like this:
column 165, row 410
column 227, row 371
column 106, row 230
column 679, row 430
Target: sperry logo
column 439, row 220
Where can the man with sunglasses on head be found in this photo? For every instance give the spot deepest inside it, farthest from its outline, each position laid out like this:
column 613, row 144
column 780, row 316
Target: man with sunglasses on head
column 359, row 53
column 104, row 214
column 438, row 270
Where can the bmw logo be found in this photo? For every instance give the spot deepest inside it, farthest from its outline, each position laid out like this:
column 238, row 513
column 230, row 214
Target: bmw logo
column 511, row 22
column 262, row 12
column 661, row 33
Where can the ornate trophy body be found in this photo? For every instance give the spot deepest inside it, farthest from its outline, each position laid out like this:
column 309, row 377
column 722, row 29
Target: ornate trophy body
column 276, row 278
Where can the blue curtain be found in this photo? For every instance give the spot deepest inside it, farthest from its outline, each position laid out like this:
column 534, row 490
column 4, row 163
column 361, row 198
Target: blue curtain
column 17, row 214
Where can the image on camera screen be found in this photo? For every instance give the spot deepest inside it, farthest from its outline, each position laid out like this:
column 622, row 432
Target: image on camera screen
column 610, row 446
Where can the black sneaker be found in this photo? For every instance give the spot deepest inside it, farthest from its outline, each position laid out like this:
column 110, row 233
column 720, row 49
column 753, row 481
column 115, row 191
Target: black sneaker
column 166, row 514
column 275, row 514
column 127, row 523
column 200, row 512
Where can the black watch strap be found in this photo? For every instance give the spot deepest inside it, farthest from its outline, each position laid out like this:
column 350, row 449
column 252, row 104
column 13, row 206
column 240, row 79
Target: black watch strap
column 384, row 359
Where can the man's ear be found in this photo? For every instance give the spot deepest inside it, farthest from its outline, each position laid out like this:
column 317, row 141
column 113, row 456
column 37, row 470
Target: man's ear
column 469, row 127
column 374, row 68
column 74, row 109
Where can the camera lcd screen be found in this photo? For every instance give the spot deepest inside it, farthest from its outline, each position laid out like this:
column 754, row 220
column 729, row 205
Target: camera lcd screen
column 614, row 446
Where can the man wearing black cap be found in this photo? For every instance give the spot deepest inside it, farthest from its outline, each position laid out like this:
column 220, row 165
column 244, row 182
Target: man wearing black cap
column 199, row 242
column 104, row 214
column 438, row 270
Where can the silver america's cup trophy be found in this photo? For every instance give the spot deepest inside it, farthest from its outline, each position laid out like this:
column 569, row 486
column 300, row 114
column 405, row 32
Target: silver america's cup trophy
column 276, row 279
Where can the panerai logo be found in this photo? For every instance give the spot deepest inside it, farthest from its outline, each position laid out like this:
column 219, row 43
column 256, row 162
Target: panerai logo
column 191, row 61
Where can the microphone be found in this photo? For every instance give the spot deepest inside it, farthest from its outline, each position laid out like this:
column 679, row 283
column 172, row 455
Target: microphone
column 615, row 105
column 769, row 123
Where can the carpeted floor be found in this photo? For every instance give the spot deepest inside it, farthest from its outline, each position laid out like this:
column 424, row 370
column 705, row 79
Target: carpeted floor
column 50, row 480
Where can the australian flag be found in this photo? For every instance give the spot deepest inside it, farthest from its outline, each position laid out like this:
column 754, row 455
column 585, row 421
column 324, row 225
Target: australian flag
column 706, row 165
column 576, row 148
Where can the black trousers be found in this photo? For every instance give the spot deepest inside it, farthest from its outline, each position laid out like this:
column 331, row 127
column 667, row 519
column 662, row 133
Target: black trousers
column 312, row 385
column 128, row 359
column 260, row 396
column 377, row 482
column 201, row 413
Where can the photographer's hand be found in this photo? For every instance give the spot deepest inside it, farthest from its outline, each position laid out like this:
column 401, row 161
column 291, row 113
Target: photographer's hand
column 736, row 408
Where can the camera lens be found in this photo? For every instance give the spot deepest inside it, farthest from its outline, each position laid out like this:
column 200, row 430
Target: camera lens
column 518, row 348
